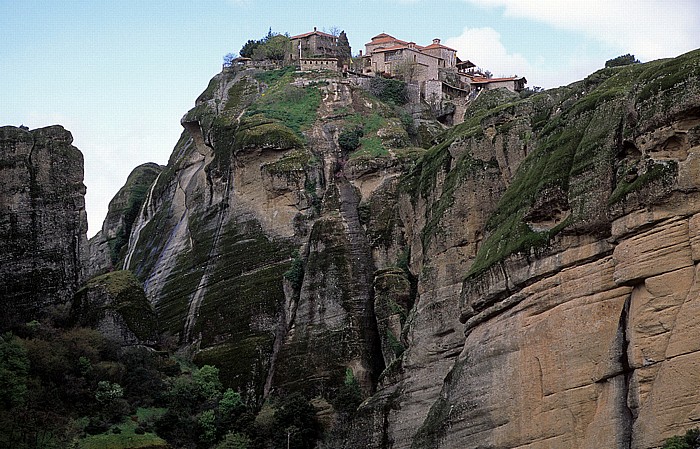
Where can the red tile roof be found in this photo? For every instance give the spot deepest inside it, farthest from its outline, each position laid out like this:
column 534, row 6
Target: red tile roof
column 399, row 47
column 482, row 80
column 384, row 39
column 320, row 33
column 432, row 46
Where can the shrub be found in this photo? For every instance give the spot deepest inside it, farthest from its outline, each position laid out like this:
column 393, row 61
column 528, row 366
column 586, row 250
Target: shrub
column 349, row 138
column 388, row 90
column 349, row 396
column 295, row 274
column 691, row 440
column 621, row 60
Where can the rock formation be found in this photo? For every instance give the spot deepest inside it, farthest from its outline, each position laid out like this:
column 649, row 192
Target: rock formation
column 116, row 305
column 110, row 242
column 527, row 281
column 42, row 221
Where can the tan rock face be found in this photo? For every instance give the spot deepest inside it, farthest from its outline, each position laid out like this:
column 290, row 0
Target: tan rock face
column 589, row 341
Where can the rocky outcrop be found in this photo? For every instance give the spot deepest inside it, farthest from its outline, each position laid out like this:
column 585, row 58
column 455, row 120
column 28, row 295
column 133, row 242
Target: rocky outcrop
column 43, row 223
column 575, row 295
column 528, row 281
column 105, row 247
column 258, row 216
column 116, row 305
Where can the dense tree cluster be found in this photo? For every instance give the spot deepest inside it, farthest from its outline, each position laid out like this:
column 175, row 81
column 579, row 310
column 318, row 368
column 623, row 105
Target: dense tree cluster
column 61, row 386
column 621, row 60
column 274, row 46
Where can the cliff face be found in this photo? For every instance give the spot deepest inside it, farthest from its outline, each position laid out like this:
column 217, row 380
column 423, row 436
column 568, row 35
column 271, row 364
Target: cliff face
column 42, row 221
column 528, row 281
column 110, row 243
column 251, row 244
column 578, row 303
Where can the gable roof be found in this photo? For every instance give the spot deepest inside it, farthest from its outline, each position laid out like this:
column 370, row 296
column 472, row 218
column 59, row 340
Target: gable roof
column 482, row 80
column 384, row 39
column 433, row 46
column 319, row 33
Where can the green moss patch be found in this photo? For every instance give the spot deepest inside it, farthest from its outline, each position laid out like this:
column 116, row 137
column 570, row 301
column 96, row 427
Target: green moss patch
column 127, row 298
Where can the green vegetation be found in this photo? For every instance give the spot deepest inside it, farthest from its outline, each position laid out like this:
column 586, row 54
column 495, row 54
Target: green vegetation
column 664, row 171
column 271, row 77
column 621, row 60
column 691, row 440
column 127, row 204
column 293, row 106
column 130, row 434
column 69, row 387
column 349, row 138
column 389, row 90
column 273, row 46
column 348, row 396
column 127, row 299
column 295, row 274
column 293, row 161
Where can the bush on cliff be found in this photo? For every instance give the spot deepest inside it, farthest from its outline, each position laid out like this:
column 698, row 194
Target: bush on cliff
column 691, row 440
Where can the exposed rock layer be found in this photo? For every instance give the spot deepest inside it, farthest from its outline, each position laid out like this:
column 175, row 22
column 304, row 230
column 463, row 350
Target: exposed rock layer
column 42, row 221
column 529, row 281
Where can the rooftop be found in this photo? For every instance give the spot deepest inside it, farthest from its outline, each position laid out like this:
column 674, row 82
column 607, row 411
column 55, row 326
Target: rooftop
column 315, row 31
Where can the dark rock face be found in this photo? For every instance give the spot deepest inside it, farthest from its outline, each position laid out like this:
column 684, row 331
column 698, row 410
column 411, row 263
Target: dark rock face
column 116, row 305
column 105, row 248
column 42, row 221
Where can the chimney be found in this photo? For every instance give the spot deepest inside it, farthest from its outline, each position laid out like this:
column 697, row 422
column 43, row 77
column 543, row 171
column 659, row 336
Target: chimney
column 411, row 45
column 314, row 29
column 360, row 53
column 436, row 41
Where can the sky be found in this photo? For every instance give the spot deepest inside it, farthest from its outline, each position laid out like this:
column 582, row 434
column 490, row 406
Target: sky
column 120, row 74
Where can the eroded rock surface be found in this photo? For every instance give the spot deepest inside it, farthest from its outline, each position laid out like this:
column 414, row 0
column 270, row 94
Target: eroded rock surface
column 43, row 223
column 528, row 281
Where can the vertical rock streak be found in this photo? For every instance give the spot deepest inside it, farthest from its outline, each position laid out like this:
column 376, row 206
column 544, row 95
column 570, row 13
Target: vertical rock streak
column 145, row 215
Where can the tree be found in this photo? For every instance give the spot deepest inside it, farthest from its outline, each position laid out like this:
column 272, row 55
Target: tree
column 296, row 419
column 207, row 380
column 228, row 59
column 231, row 403
column 14, row 370
column 344, row 53
column 207, row 427
column 276, row 47
column 333, row 31
column 234, row 441
column 248, row 48
column 621, row 61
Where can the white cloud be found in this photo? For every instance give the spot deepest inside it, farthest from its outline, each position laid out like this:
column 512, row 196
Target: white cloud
column 649, row 29
column 483, row 47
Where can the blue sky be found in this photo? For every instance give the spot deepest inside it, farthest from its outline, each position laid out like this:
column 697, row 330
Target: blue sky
column 119, row 74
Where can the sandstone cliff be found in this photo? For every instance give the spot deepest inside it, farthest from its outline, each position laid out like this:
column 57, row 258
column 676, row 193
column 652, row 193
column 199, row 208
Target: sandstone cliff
column 42, row 221
column 577, row 278
column 528, row 281
column 251, row 244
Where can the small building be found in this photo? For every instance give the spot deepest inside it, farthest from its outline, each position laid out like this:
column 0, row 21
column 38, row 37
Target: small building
column 315, row 44
column 513, row 83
